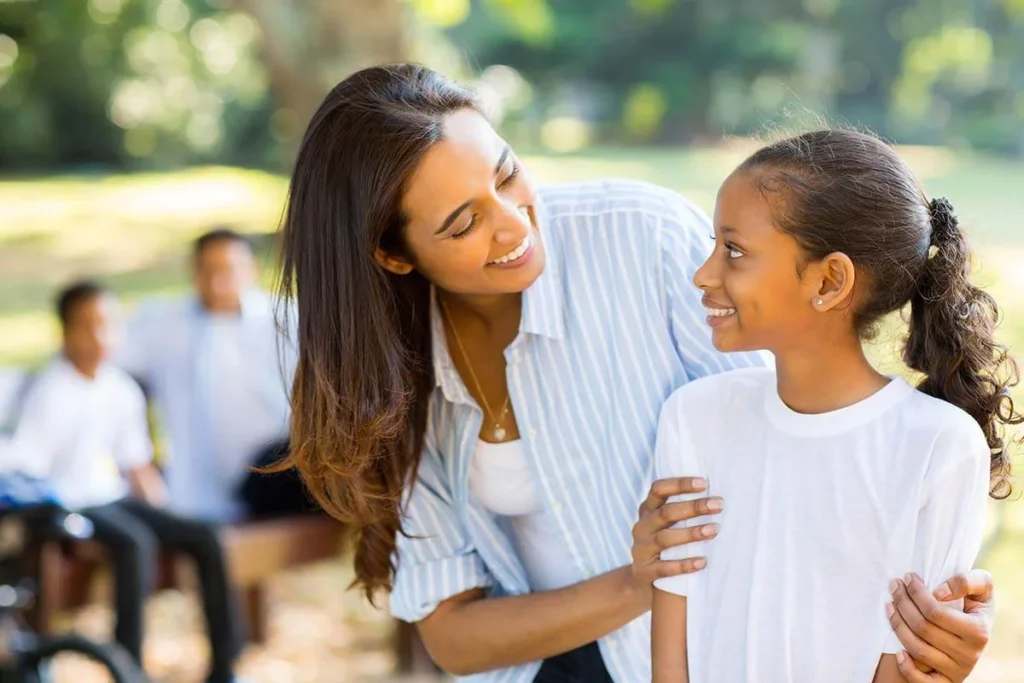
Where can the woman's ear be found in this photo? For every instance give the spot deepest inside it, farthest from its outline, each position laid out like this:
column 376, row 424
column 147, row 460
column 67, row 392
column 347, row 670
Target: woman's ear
column 392, row 264
column 836, row 276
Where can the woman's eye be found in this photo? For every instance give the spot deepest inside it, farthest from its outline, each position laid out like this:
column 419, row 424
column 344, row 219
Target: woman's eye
column 511, row 176
column 466, row 230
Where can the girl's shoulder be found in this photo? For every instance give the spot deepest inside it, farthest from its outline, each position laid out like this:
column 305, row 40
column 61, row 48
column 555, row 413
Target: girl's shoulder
column 936, row 415
column 713, row 394
column 954, row 435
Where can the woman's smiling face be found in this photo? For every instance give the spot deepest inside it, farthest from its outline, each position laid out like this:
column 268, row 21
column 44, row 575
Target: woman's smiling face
column 469, row 206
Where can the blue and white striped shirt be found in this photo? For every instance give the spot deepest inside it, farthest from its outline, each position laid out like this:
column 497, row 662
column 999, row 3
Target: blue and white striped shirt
column 611, row 327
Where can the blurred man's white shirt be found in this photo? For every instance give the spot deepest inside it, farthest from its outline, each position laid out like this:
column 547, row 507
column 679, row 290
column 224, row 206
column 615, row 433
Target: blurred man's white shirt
column 220, row 384
column 80, row 434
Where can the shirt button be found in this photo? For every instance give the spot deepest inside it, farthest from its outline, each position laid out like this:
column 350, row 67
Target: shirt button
column 556, row 506
column 532, row 433
column 613, row 643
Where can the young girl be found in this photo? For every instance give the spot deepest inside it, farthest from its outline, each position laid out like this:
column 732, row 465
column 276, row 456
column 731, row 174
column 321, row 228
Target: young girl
column 818, row 237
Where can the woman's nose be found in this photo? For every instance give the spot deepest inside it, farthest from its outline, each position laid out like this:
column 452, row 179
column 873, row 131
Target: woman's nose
column 515, row 225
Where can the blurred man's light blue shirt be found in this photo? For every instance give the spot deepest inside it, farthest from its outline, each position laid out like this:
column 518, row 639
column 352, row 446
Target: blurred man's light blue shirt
column 215, row 409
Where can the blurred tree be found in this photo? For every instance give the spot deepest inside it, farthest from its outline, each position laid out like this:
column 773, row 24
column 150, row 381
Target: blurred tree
column 310, row 46
column 103, row 83
column 158, row 83
column 695, row 59
column 59, row 69
column 676, row 70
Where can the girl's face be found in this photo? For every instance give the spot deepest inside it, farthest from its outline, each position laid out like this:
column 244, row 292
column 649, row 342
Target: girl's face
column 471, row 225
column 758, row 291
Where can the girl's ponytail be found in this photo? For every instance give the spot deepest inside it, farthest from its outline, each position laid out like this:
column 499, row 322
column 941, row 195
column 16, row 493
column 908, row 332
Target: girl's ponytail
column 952, row 342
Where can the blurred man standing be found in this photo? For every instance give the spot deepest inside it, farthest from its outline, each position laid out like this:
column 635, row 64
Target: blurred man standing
column 219, row 372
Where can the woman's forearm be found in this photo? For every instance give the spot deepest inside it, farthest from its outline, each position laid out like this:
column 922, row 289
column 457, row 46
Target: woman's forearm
column 472, row 634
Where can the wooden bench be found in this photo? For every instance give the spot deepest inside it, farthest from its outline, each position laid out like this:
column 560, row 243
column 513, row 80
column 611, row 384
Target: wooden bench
column 256, row 551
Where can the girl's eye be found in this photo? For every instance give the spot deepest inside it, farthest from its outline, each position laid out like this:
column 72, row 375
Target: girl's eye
column 733, row 251
column 466, row 230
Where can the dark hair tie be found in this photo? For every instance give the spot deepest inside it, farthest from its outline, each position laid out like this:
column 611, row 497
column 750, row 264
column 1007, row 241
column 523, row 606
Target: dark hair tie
column 943, row 219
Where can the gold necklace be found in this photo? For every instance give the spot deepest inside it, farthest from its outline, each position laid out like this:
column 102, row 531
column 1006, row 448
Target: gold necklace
column 498, row 432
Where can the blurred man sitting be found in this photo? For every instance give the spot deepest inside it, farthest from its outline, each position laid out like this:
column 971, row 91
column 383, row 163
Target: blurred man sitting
column 82, row 426
column 219, row 372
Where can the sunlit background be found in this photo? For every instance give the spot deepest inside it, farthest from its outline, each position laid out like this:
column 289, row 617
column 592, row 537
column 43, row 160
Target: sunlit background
column 127, row 127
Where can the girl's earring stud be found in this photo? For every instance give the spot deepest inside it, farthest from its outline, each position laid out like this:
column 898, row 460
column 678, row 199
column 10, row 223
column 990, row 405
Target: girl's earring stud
column 819, row 302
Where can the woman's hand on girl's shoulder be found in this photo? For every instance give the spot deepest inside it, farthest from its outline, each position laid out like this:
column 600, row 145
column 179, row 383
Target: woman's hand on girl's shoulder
column 944, row 638
column 653, row 531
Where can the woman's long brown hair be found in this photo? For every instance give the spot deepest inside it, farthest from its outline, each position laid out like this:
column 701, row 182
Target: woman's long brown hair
column 364, row 372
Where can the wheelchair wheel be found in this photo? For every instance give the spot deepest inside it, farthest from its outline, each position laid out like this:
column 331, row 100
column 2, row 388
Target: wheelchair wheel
column 36, row 663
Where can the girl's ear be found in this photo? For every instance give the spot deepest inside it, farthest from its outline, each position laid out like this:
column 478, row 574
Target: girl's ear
column 835, row 278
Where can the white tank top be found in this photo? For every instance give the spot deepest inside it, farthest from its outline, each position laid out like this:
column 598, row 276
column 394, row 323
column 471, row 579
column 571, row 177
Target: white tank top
column 501, row 480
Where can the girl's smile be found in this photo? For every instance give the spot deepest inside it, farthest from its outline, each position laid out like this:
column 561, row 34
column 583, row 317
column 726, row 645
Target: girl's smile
column 718, row 314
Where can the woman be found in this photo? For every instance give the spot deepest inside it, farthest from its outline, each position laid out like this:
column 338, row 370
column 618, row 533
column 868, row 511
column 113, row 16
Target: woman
column 481, row 367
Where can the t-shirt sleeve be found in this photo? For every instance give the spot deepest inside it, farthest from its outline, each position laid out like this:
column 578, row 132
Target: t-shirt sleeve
column 133, row 447
column 951, row 521
column 676, row 456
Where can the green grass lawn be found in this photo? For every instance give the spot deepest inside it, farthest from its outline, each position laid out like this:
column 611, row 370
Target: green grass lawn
column 133, row 231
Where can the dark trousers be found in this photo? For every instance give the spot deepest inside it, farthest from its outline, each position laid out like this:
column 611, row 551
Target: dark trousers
column 582, row 665
column 277, row 494
column 134, row 531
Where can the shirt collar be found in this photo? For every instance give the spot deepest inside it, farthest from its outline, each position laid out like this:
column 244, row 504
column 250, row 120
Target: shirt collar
column 69, row 369
column 445, row 374
column 543, row 314
column 543, row 301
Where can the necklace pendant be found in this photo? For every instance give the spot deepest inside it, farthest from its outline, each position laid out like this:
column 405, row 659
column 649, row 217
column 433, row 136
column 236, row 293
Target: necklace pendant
column 498, row 433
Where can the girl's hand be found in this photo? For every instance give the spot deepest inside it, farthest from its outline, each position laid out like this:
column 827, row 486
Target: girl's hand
column 652, row 533
column 942, row 638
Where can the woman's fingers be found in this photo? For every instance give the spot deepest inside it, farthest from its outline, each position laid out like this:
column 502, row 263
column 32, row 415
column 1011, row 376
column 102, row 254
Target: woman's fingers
column 913, row 674
column 654, row 520
column 653, row 531
column 962, row 636
column 665, row 568
column 649, row 549
column 925, row 642
column 976, row 584
column 671, row 538
column 663, row 489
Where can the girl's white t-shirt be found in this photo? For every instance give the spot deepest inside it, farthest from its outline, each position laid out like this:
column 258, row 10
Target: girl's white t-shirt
column 821, row 512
